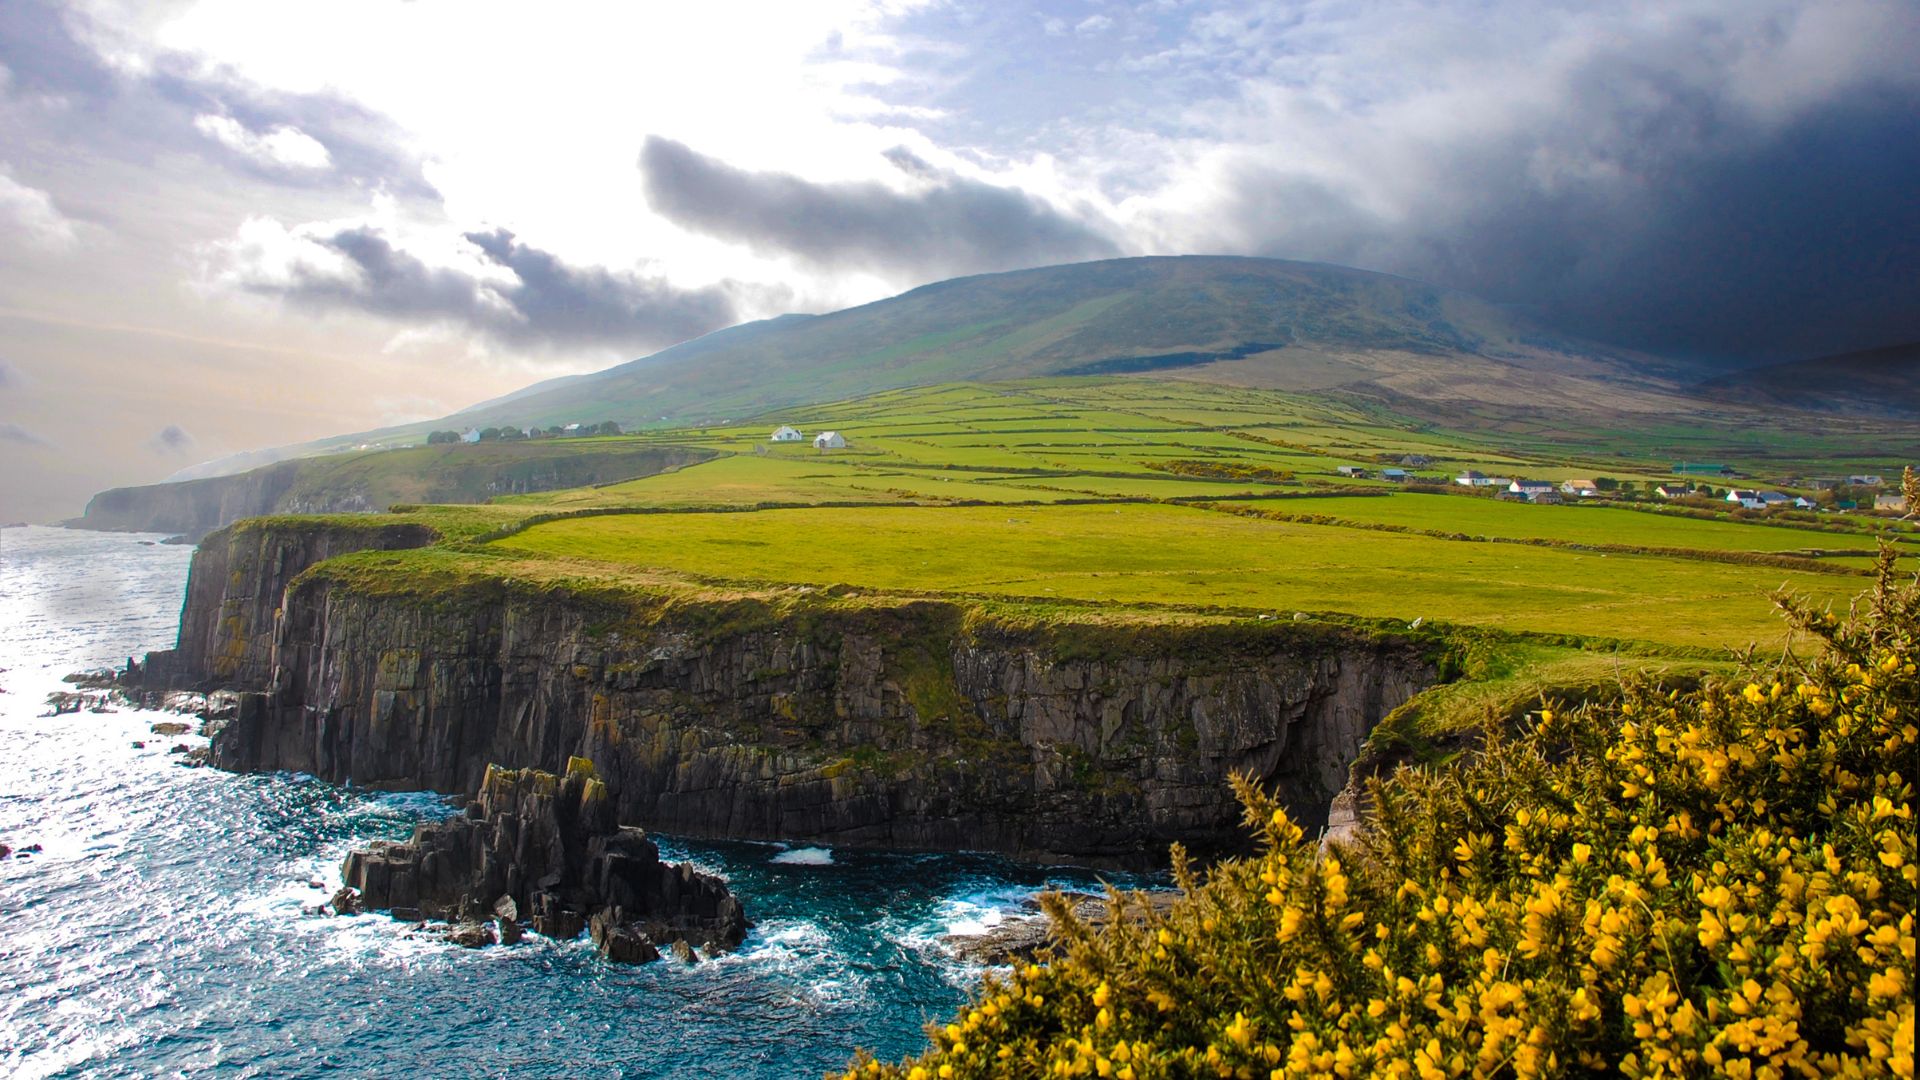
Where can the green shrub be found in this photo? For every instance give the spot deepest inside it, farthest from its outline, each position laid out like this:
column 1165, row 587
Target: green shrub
column 1712, row 882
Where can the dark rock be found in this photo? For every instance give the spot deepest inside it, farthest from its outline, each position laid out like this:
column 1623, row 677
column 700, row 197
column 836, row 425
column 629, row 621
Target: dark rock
column 471, row 935
column 553, row 846
column 170, row 727
column 683, row 952
column 138, row 745
column 180, row 748
column 510, row 932
column 345, row 902
column 5, row 851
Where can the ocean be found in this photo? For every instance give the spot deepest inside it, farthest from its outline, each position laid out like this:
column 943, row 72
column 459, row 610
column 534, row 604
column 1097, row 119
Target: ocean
column 162, row 929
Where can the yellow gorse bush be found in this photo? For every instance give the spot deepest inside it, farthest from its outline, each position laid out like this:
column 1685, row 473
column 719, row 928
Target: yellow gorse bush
column 1718, row 882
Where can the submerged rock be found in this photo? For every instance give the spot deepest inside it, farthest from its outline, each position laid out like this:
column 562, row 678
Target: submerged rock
column 551, row 846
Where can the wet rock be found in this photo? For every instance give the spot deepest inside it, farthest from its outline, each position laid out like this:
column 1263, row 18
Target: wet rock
column 170, row 727
column 1031, row 933
column 345, row 902
column 553, row 846
column 138, row 745
column 5, row 851
column 471, row 935
column 510, row 932
column 180, row 748
column 684, row 953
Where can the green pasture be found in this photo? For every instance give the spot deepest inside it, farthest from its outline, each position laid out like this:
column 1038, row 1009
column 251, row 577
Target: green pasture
column 1178, row 557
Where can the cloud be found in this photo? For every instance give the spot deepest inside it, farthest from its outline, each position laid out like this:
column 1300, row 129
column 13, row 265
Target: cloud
column 496, row 286
column 283, row 146
column 30, row 213
column 172, row 439
column 10, row 377
column 14, row 433
column 948, row 225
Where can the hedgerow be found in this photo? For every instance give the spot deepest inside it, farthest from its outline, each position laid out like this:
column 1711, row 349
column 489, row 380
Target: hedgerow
column 1714, row 882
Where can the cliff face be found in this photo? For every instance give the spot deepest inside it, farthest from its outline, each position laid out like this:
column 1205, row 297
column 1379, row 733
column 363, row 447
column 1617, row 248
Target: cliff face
column 902, row 726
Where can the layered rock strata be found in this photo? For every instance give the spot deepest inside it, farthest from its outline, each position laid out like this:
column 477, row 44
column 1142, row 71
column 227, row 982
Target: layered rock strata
column 904, row 724
column 550, row 848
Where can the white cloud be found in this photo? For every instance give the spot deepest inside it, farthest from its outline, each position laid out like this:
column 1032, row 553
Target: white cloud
column 283, row 146
column 32, row 212
column 1093, row 24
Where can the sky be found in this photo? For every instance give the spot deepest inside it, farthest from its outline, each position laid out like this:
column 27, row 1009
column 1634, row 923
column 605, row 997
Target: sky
column 227, row 225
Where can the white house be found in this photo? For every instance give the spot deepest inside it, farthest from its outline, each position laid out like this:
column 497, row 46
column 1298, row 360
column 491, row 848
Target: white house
column 1530, row 488
column 783, row 433
column 1748, row 499
column 471, row 435
column 1470, row 478
column 1584, row 488
column 1773, row 498
column 1351, row 471
column 1804, row 503
column 1672, row 491
column 829, row 440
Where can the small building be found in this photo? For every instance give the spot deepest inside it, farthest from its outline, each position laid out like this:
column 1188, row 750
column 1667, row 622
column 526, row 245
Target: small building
column 1673, row 491
column 829, row 440
column 471, row 435
column 1530, row 488
column 1746, row 498
column 1866, row 480
column 1470, row 478
column 1355, row 472
column 1770, row 499
column 1398, row 476
column 1546, row 498
column 783, row 433
column 1698, row 468
column 1890, row 502
column 1804, row 503
column 1505, row 495
column 1580, row 487
column 1416, row 461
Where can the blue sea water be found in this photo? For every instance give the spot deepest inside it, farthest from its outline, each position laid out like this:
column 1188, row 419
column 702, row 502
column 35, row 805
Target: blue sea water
column 161, row 931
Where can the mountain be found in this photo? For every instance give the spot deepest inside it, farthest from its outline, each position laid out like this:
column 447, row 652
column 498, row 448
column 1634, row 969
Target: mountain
column 1258, row 322
column 1875, row 382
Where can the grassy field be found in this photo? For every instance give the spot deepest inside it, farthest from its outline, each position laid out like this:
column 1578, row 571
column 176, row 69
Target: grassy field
column 1075, row 498
column 1179, row 557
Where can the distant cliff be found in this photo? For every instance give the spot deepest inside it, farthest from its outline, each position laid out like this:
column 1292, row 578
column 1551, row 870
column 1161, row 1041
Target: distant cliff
column 376, row 479
column 885, row 723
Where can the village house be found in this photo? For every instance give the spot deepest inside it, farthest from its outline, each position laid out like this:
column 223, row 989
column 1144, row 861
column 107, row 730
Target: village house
column 1890, row 502
column 1580, row 487
column 1546, row 498
column 1355, row 472
column 1801, row 502
column 1530, row 488
column 1396, row 475
column 783, row 433
column 471, row 435
column 1416, row 461
column 829, row 440
column 1471, row 478
column 1866, row 480
column 1771, row 499
column 1746, row 498
column 1673, row 491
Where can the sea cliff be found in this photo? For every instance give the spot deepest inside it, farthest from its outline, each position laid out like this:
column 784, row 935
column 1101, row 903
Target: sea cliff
column 817, row 716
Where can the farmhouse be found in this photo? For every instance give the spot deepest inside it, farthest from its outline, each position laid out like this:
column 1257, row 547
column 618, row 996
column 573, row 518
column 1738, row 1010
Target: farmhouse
column 1772, row 499
column 1673, row 491
column 1530, row 488
column 829, row 440
column 471, row 435
column 1353, row 471
column 1746, row 498
column 1866, row 480
column 1470, row 478
column 1416, row 461
column 1546, row 498
column 1804, row 503
column 783, row 433
column 1890, row 502
column 1581, row 487
column 1396, row 475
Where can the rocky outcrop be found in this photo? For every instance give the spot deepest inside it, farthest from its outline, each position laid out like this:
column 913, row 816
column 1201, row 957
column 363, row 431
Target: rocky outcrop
column 550, row 847
column 235, row 587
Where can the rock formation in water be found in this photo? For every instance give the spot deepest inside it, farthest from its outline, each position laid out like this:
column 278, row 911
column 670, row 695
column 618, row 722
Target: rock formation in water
column 906, row 724
column 550, row 848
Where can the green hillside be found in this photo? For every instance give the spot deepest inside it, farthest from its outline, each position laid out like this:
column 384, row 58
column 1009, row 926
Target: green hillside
column 1255, row 322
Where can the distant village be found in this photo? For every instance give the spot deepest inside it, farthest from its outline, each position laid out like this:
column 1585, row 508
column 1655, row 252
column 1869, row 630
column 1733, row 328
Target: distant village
column 1859, row 491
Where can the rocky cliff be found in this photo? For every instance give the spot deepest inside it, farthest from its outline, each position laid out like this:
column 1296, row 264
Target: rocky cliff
column 886, row 723
column 533, row 843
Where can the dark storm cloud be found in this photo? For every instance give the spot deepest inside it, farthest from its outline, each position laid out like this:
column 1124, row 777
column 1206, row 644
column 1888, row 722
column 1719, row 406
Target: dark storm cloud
column 65, row 98
column 954, row 225
column 1649, row 205
column 547, row 302
column 172, row 439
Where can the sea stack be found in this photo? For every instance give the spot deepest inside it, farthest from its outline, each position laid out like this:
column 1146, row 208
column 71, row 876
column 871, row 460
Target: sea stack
column 550, row 848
